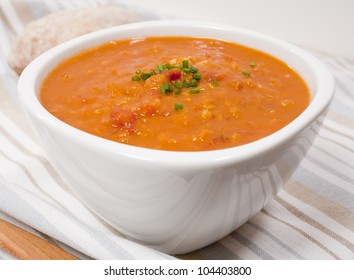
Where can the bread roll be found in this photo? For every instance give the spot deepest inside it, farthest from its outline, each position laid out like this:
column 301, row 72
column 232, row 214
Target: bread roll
column 53, row 29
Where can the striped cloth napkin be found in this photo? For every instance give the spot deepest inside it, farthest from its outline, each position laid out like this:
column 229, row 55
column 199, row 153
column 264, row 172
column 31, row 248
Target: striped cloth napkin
column 312, row 218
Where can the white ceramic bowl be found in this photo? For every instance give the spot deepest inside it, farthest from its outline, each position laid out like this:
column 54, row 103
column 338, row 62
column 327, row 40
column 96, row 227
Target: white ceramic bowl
column 177, row 202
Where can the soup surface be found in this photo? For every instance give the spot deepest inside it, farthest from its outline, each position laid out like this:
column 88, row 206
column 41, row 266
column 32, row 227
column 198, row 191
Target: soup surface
column 175, row 93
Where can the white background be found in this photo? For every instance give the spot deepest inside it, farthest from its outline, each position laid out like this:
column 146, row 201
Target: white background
column 321, row 25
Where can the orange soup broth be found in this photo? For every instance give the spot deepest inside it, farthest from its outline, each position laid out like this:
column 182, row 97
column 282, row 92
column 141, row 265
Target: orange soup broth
column 244, row 94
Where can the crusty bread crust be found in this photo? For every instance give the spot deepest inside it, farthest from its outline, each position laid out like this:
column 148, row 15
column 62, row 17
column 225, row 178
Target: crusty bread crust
column 53, row 29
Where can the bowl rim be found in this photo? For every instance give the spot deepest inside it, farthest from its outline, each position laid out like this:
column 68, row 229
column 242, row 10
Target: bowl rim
column 31, row 78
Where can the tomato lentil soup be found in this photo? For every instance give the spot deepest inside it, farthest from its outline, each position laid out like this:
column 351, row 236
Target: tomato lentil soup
column 175, row 93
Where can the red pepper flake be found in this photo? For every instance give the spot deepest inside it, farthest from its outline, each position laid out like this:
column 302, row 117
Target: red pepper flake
column 124, row 119
column 174, row 74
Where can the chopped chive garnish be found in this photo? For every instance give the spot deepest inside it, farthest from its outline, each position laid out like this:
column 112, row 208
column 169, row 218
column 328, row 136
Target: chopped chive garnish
column 178, row 106
column 197, row 76
column 193, row 69
column 186, row 84
column 194, row 90
column 215, row 82
column 247, row 74
column 193, row 83
column 178, row 85
column 135, row 78
column 252, row 64
column 166, row 87
column 145, row 76
column 185, row 63
column 188, row 80
column 168, row 66
column 160, row 67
